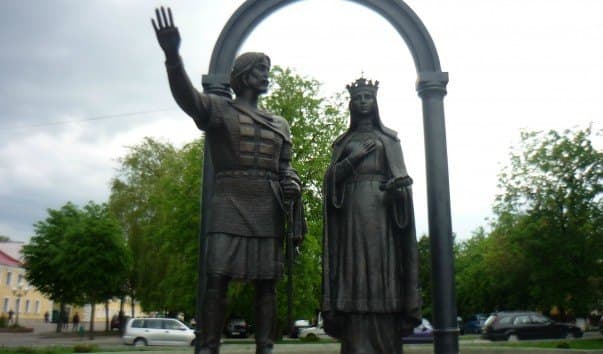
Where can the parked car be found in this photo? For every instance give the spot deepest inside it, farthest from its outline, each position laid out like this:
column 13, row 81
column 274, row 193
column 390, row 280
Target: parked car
column 312, row 332
column 526, row 325
column 298, row 325
column 115, row 321
column 157, row 331
column 460, row 324
column 423, row 333
column 474, row 324
column 236, row 327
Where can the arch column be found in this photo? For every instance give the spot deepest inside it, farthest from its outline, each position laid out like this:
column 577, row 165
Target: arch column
column 431, row 87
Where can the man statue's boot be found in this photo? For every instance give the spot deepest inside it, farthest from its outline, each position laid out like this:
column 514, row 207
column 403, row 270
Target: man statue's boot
column 214, row 309
column 265, row 317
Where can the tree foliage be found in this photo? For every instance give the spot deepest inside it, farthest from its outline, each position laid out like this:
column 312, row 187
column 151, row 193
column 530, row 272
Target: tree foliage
column 98, row 257
column 425, row 275
column 45, row 251
column 156, row 196
column 77, row 255
column 545, row 246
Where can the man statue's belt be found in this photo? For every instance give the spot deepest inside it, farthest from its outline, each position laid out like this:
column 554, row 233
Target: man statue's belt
column 257, row 173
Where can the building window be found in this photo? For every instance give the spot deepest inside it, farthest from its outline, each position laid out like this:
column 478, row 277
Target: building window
column 37, row 306
column 9, row 275
column 5, row 305
column 27, row 306
column 20, row 279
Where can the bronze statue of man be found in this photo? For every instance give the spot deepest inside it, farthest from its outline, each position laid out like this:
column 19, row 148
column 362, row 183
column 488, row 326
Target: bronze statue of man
column 370, row 259
column 254, row 184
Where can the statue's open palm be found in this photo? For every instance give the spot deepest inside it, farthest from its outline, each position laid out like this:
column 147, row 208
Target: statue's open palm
column 167, row 34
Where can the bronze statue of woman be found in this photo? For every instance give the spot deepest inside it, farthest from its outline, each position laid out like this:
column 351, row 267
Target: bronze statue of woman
column 370, row 267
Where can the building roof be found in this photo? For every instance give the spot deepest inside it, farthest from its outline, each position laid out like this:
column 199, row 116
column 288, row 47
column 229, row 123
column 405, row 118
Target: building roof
column 5, row 259
column 12, row 250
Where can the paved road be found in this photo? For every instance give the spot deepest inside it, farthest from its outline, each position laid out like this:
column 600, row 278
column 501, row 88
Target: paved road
column 44, row 335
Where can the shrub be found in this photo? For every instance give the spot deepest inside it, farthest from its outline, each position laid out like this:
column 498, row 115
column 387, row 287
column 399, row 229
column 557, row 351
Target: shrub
column 84, row 348
column 563, row 345
column 310, row 338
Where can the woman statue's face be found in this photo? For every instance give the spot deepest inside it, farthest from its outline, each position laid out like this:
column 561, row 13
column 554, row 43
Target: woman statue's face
column 363, row 103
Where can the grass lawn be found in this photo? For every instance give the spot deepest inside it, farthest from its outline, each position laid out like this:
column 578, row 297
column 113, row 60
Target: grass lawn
column 594, row 343
column 80, row 349
column 585, row 344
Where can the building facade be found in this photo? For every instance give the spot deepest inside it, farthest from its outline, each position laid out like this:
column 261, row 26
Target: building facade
column 16, row 295
column 23, row 300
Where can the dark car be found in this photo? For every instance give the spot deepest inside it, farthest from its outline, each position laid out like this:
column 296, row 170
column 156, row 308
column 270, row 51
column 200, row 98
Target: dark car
column 236, row 327
column 526, row 325
column 115, row 324
column 474, row 324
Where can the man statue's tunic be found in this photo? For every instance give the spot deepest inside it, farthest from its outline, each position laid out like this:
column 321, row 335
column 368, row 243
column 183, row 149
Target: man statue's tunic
column 251, row 153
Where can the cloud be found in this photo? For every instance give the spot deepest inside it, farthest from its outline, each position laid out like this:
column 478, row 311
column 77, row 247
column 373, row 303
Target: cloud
column 512, row 65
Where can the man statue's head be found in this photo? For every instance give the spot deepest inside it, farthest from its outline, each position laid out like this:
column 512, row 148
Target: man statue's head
column 250, row 70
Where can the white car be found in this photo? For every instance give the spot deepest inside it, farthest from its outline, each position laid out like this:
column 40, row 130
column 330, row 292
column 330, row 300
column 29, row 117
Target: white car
column 157, row 331
column 312, row 332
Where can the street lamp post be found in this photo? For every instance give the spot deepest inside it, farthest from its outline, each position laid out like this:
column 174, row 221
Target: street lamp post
column 19, row 292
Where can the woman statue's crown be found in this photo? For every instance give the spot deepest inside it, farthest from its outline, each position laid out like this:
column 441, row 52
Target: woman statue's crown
column 363, row 84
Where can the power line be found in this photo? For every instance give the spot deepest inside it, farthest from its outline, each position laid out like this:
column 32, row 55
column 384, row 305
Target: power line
column 109, row 116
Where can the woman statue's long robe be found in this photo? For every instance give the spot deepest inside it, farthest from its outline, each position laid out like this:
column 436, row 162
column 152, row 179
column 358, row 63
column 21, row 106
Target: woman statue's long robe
column 370, row 257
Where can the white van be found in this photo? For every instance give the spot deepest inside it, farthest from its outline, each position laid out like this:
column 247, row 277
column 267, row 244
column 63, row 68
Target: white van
column 157, row 331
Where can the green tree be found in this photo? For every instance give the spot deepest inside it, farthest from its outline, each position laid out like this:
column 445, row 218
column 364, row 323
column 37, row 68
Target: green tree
column 47, row 266
column 156, row 196
column 549, row 221
column 97, row 257
column 425, row 275
column 477, row 288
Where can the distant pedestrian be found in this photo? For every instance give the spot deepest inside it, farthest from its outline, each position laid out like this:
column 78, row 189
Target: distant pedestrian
column 46, row 316
column 76, row 321
column 11, row 313
column 65, row 320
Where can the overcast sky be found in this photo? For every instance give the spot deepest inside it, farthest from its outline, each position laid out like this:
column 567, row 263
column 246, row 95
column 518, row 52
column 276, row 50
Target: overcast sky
column 82, row 80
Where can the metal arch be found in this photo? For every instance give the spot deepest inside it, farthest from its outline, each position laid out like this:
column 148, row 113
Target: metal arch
column 396, row 12
column 431, row 87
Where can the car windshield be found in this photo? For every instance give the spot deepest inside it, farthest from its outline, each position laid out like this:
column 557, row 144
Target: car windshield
column 302, row 323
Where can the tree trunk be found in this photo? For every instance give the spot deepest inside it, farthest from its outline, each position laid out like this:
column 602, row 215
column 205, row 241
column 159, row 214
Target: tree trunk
column 91, row 336
column 60, row 319
column 122, row 316
column 107, row 328
column 132, row 304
